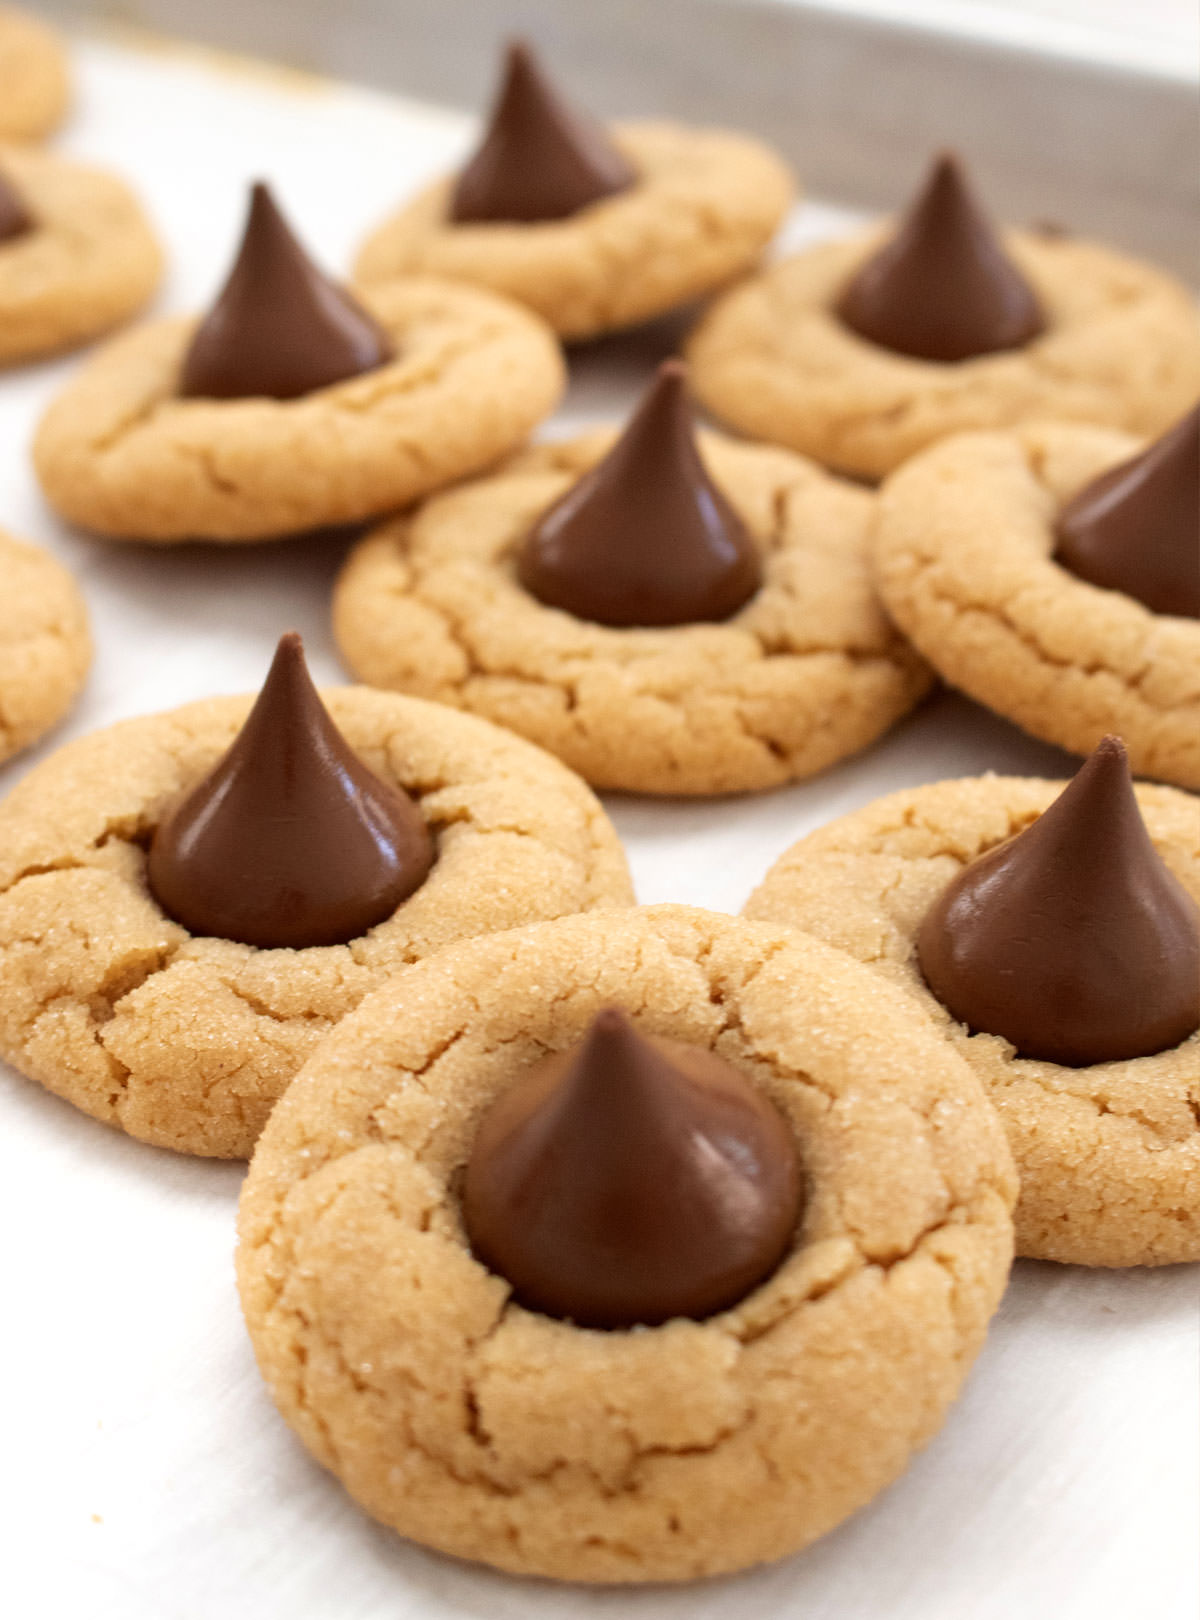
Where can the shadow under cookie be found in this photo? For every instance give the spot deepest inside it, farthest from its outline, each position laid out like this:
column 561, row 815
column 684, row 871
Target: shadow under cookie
column 34, row 76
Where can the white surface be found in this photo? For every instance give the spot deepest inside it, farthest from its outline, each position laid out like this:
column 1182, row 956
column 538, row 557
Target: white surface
column 1149, row 36
column 147, row 1476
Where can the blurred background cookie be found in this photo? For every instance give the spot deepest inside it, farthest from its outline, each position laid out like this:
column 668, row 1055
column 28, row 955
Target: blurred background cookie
column 861, row 352
column 291, row 406
column 77, row 254
column 35, row 82
column 594, row 229
column 45, row 644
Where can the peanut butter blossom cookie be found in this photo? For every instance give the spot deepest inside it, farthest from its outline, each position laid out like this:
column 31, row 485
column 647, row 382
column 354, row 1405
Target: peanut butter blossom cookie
column 34, row 82
column 77, row 255
column 594, row 229
column 667, row 616
column 860, row 353
column 639, row 1247
column 192, row 900
column 293, row 406
column 1054, row 574
column 1055, row 937
column 45, row 647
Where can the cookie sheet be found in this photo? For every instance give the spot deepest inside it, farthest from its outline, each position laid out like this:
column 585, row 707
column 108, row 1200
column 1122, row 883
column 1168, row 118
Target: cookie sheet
column 147, row 1475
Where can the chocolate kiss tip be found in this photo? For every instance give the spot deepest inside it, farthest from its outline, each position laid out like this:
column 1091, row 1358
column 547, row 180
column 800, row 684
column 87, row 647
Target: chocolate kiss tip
column 1136, row 528
column 279, row 328
column 630, row 1180
column 942, row 288
column 540, row 158
column 646, row 537
column 290, row 840
column 1072, row 940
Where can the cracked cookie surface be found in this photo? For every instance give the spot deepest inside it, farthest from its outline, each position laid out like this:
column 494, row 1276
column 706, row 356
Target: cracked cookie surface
column 120, row 453
column 704, row 205
column 45, row 644
column 34, row 82
column 90, row 261
column 963, row 560
column 187, row 1042
column 1109, row 1156
column 810, row 670
column 666, row 1453
column 1121, row 349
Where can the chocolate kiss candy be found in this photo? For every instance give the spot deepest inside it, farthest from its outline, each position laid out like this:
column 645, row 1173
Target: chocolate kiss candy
column 646, row 537
column 1136, row 528
column 280, row 328
column 289, row 840
column 540, row 158
column 15, row 218
column 631, row 1180
column 943, row 288
column 1072, row 940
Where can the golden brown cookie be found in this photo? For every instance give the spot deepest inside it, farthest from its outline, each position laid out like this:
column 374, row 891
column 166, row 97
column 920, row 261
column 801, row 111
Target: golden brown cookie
column 666, row 1453
column 705, row 204
column 187, row 1042
column 34, row 84
column 45, row 646
column 89, row 262
column 120, row 453
column 1121, row 349
column 807, row 672
column 1109, row 1155
column 963, row 553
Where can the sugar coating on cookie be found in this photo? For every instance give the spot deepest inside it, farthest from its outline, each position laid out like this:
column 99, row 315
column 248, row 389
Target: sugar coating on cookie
column 45, row 644
column 666, row 1453
column 119, row 452
column 963, row 551
column 187, row 1042
column 1109, row 1155
column 34, row 76
column 702, row 209
column 89, row 262
column 810, row 670
column 1121, row 349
